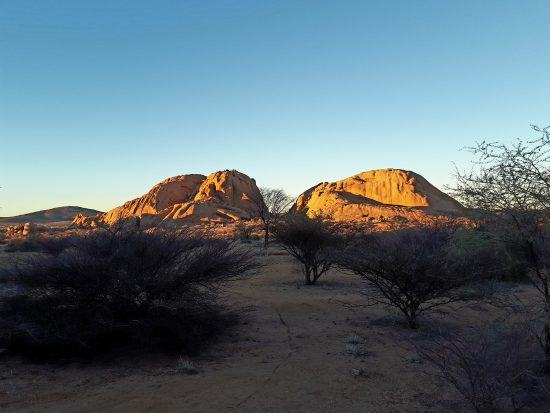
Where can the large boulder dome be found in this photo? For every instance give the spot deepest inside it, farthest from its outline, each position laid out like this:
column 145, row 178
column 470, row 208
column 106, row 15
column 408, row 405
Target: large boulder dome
column 376, row 195
column 223, row 196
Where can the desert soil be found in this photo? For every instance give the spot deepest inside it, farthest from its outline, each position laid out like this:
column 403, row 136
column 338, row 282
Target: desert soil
column 288, row 354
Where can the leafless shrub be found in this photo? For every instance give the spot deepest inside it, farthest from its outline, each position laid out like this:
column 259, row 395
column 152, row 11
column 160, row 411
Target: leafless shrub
column 270, row 206
column 117, row 287
column 410, row 269
column 40, row 243
column 310, row 241
column 494, row 370
column 26, row 244
column 509, row 188
column 243, row 232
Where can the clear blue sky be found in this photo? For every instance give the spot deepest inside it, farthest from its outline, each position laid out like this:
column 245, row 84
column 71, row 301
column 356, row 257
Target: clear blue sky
column 99, row 100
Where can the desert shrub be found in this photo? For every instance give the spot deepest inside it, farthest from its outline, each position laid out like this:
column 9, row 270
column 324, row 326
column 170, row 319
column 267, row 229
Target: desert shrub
column 494, row 369
column 243, row 232
column 410, row 269
column 508, row 186
column 40, row 243
column 185, row 366
column 480, row 248
column 57, row 244
column 311, row 241
column 26, row 244
column 116, row 288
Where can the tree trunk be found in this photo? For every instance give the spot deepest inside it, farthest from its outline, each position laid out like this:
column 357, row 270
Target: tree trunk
column 308, row 276
column 543, row 277
column 547, row 346
column 411, row 318
column 546, row 336
column 315, row 275
column 266, row 236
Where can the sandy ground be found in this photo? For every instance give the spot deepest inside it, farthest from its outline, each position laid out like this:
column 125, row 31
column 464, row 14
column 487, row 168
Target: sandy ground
column 288, row 355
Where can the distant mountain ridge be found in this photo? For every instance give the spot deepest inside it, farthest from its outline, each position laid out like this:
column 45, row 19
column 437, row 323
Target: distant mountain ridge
column 64, row 213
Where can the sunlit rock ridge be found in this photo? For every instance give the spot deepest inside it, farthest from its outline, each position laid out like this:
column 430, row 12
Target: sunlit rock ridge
column 377, row 195
column 223, row 196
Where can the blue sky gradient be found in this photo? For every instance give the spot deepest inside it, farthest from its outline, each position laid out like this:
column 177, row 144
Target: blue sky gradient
column 100, row 100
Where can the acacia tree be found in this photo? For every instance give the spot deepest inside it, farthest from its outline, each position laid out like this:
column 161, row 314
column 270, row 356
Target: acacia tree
column 410, row 269
column 310, row 241
column 509, row 186
column 272, row 204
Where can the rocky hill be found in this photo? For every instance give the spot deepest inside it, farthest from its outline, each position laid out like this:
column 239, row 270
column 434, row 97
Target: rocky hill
column 172, row 191
column 378, row 195
column 46, row 216
column 223, row 196
column 226, row 196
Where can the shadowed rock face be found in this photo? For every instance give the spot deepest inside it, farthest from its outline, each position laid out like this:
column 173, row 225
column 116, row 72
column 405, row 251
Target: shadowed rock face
column 375, row 195
column 222, row 196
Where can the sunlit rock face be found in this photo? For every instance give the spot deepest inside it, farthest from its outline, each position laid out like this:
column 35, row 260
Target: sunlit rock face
column 162, row 196
column 223, row 196
column 376, row 195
